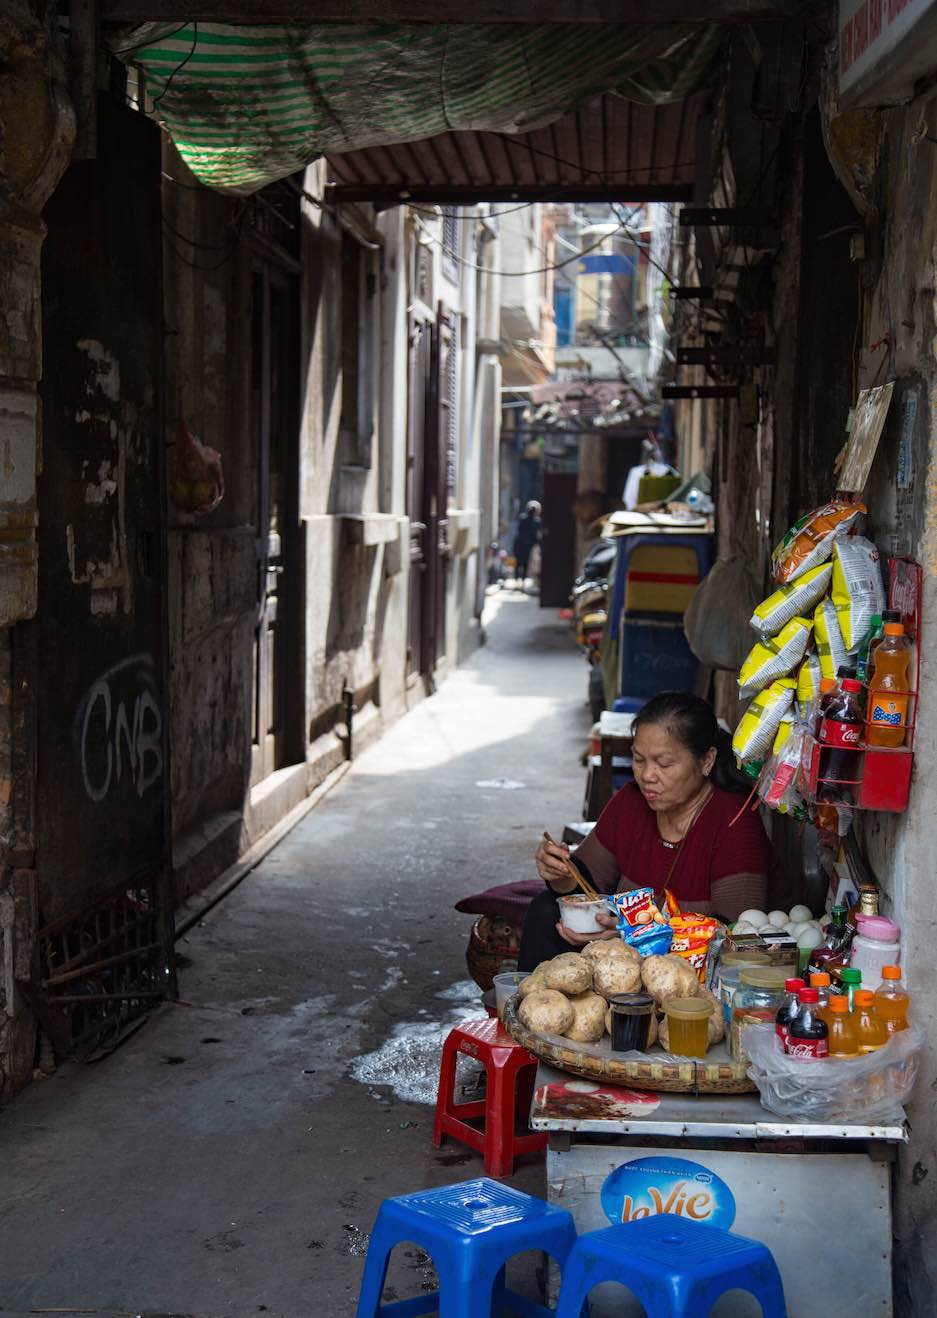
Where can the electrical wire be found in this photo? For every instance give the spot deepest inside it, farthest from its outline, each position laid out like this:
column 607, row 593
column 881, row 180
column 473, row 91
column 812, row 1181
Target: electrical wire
column 519, row 274
column 179, row 67
column 434, row 214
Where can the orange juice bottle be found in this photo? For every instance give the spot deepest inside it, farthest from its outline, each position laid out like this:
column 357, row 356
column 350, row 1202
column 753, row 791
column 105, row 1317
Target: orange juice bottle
column 843, row 1039
column 888, row 689
column 870, row 1028
column 891, row 1000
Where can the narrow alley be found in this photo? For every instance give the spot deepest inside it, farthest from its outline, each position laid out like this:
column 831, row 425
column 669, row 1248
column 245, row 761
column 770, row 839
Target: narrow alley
column 225, row 1160
column 467, row 456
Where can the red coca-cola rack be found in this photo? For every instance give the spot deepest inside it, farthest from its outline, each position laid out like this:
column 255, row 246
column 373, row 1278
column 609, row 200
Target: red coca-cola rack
column 884, row 779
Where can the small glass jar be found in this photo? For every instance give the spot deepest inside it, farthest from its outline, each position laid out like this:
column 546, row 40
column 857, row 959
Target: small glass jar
column 756, row 1002
column 731, row 965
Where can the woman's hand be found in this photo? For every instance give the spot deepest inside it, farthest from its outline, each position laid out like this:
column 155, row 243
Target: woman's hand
column 551, row 858
column 580, row 940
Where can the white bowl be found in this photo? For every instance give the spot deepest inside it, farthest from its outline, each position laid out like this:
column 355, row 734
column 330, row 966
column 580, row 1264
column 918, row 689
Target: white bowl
column 579, row 914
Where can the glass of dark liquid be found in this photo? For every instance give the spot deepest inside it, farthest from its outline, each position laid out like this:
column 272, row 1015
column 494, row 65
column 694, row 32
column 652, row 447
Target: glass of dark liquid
column 631, row 1021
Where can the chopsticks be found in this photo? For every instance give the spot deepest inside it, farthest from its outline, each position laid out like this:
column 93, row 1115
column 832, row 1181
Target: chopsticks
column 577, row 877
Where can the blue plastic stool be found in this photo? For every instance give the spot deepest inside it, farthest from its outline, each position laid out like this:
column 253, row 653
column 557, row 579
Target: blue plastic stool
column 469, row 1231
column 676, row 1267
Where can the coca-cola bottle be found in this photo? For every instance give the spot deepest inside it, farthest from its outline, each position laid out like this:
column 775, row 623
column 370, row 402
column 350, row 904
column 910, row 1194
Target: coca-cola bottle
column 807, row 1033
column 788, row 1009
column 840, row 745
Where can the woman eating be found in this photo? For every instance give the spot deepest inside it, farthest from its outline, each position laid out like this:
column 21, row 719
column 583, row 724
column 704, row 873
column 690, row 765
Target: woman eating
column 680, row 825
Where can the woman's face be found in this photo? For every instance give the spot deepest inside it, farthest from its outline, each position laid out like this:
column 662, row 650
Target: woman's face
column 667, row 774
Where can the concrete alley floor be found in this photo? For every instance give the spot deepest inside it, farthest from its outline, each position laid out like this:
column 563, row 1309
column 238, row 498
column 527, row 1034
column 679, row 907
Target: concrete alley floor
column 226, row 1160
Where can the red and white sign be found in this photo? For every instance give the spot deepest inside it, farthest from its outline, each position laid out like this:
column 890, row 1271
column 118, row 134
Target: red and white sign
column 884, row 48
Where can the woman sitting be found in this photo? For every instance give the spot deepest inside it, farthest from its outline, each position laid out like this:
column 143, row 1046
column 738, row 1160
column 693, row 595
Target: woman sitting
column 680, row 825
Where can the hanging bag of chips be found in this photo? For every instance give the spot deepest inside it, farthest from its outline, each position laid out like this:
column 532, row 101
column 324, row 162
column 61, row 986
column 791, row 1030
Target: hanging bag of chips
column 774, row 656
column 857, row 588
column 809, row 675
column 799, row 599
column 809, row 542
column 831, row 648
column 759, row 725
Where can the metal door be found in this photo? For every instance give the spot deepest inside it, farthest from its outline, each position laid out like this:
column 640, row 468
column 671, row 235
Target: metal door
column 103, row 781
column 558, row 539
column 274, row 340
column 430, row 473
column 421, row 349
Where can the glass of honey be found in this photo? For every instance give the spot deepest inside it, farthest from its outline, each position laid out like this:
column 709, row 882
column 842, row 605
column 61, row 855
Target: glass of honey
column 688, row 1025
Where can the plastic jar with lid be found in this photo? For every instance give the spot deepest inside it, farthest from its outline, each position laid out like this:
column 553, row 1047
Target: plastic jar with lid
column 731, row 965
column 877, row 943
column 756, row 1001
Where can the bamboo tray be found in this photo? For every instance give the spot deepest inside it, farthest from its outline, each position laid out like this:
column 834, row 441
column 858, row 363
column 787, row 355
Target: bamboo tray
column 717, row 1073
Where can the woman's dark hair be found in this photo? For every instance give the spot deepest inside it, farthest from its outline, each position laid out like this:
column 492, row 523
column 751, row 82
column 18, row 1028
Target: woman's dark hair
column 691, row 722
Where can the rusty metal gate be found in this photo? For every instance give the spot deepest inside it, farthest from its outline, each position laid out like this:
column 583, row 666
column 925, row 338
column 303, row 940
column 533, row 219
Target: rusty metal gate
column 105, row 948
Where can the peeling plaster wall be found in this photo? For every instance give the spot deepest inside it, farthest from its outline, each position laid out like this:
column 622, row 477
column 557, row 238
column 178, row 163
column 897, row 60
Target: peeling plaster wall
column 212, row 560
column 38, row 132
column 346, row 594
column 902, row 242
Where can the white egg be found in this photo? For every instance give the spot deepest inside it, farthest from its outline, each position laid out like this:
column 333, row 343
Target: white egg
column 753, row 917
column 791, row 928
column 768, row 929
column 778, row 918
column 798, row 914
column 743, row 927
column 810, row 938
column 825, row 921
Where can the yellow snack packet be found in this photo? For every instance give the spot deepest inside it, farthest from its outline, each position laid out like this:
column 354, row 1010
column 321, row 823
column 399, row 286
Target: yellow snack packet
column 857, row 588
column 758, row 726
column 795, row 600
column 774, row 656
column 831, row 648
column 782, row 734
column 809, row 675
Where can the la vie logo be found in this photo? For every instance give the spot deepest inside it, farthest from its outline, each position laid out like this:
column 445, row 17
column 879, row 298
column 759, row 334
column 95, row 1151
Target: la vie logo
column 648, row 1186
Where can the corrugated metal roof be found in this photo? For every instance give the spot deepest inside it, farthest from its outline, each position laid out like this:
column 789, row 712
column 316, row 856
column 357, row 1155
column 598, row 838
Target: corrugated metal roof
column 608, row 144
column 429, row 106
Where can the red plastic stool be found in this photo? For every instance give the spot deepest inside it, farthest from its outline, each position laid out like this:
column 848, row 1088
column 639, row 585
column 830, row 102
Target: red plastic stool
column 511, row 1073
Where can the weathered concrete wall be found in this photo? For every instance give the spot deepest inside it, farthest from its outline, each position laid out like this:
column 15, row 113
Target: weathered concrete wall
column 212, row 560
column 38, row 131
column 892, row 162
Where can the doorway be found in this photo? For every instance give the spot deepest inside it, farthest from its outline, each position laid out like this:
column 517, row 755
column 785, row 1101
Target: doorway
column 277, row 738
column 558, row 539
column 431, row 447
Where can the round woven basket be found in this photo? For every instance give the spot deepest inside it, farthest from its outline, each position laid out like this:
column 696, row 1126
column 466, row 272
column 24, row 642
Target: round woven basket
column 717, row 1073
column 486, row 956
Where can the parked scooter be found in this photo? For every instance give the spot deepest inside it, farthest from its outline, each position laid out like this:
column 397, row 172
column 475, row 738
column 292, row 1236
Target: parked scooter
column 589, row 600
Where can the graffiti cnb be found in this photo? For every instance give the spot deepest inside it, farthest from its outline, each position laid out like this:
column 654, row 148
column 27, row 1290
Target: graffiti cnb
column 118, row 729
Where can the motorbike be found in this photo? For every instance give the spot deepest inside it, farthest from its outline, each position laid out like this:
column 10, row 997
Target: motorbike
column 589, row 600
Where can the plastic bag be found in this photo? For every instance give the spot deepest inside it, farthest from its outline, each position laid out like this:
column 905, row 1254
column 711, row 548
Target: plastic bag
column 831, row 648
column 774, row 656
column 800, row 597
column 865, row 1089
column 758, row 726
column 780, row 784
column 858, row 592
column 196, row 477
column 809, row 542
column 716, row 618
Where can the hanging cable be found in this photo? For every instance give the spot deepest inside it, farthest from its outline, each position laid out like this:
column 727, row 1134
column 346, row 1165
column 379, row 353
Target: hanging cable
column 179, row 67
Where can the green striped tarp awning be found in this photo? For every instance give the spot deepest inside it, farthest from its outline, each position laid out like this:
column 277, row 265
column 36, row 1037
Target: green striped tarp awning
column 248, row 105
